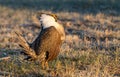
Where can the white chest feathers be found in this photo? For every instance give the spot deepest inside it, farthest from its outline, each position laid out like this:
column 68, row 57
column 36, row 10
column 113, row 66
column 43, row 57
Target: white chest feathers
column 48, row 21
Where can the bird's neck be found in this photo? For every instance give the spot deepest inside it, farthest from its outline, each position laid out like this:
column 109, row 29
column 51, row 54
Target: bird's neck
column 57, row 26
column 49, row 24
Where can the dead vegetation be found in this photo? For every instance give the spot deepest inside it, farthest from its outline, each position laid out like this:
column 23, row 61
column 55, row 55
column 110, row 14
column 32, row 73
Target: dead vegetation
column 91, row 48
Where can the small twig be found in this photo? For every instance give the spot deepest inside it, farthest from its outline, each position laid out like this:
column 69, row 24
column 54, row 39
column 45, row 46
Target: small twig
column 5, row 58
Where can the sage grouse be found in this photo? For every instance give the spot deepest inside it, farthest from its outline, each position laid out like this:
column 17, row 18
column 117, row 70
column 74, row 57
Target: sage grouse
column 46, row 46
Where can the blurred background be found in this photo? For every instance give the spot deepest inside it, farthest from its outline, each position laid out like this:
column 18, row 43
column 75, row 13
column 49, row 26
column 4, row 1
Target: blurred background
column 92, row 42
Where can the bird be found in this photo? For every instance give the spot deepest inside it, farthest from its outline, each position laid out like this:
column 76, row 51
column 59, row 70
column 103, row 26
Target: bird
column 47, row 44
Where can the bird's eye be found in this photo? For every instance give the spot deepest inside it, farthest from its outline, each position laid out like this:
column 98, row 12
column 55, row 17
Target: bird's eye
column 39, row 18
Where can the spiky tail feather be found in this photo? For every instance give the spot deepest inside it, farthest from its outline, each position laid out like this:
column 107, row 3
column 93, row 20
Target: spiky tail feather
column 25, row 46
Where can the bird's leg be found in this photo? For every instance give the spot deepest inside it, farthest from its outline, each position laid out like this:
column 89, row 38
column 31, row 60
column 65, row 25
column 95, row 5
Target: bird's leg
column 45, row 65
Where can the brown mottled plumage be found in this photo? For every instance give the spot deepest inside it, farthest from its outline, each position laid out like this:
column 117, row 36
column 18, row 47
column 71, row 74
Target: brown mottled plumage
column 48, row 41
column 47, row 45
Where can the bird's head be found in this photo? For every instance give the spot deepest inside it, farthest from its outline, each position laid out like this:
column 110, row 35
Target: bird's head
column 41, row 16
column 47, row 19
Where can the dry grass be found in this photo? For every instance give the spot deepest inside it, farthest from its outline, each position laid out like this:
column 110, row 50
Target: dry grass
column 91, row 48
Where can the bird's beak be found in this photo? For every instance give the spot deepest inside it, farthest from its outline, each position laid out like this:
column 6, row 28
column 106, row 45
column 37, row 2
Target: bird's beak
column 38, row 15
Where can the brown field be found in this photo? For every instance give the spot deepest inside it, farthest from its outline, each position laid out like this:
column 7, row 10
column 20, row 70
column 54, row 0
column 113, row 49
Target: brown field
column 91, row 48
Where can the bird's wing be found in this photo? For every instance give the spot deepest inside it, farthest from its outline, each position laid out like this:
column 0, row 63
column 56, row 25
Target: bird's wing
column 48, row 42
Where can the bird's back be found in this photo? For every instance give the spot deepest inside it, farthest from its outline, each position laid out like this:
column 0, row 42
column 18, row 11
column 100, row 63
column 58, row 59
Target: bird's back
column 49, row 42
